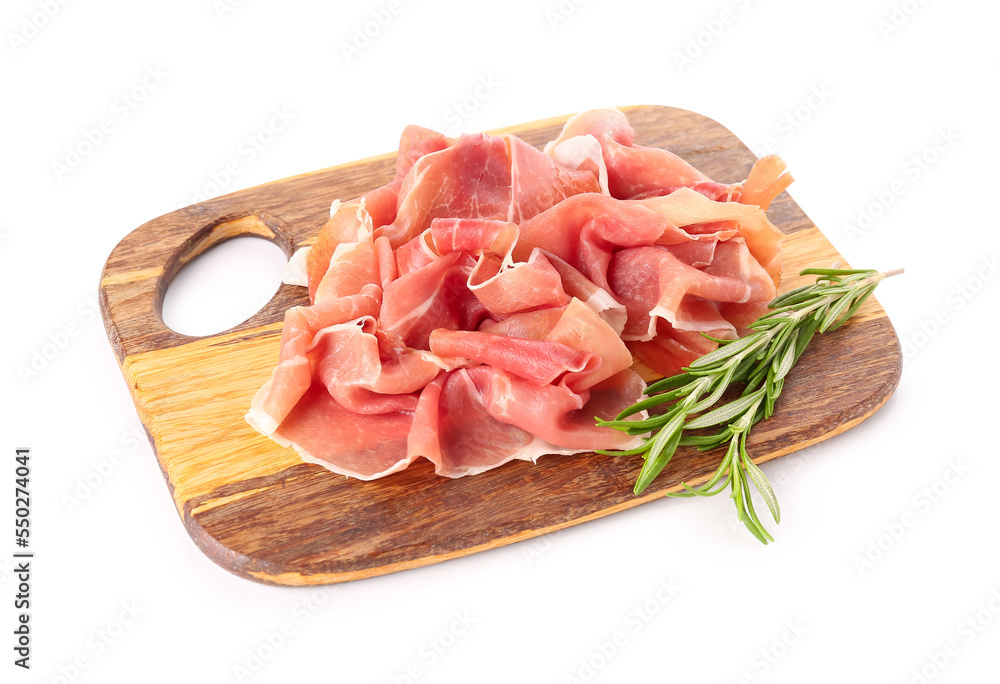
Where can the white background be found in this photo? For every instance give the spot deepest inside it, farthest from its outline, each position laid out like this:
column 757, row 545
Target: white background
column 836, row 598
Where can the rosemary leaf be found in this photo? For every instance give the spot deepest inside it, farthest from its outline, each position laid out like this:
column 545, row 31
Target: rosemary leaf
column 726, row 412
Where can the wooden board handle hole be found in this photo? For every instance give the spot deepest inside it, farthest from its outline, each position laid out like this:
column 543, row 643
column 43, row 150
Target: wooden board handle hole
column 224, row 276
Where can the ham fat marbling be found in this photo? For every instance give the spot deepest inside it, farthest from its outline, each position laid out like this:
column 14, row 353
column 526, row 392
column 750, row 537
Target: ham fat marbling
column 486, row 304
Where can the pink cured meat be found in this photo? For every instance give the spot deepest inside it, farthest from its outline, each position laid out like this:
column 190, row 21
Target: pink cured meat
column 578, row 326
column 519, row 287
column 473, row 310
column 577, row 285
column 531, row 325
column 471, row 179
column 696, row 254
column 633, row 170
column 459, row 271
column 478, row 418
column 478, row 252
column 414, row 143
column 365, row 446
column 353, row 366
column 666, row 329
column 637, row 172
column 434, row 296
column 385, row 365
column 452, row 429
column 457, row 235
column 414, row 254
column 553, row 412
column 471, row 419
column 477, row 177
column 481, row 177
column 734, row 260
column 653, row 283
column 292, row 376
column 537, row 182
column 693, row 212
column 353, row 266
column 380, row 203
column 584, row 231
column 538, row 361
column 766, row 181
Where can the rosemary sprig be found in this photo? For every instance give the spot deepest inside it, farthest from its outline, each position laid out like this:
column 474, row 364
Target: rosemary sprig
column 760, row 360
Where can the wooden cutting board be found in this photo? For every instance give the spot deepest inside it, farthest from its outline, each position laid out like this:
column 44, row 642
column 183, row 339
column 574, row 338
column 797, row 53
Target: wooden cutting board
column 255, row 509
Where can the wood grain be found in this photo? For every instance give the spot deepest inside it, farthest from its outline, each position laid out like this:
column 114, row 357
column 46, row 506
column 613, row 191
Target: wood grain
column 255, row 509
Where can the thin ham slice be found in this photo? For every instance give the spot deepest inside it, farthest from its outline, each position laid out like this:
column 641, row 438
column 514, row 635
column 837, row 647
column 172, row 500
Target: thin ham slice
column 689, row 210
column 292, row 376
column 653, row 283
column 482, row 177
column 556, row 414
column 415, row 254
column 633, row 170
column 584, row 231
column 352, row 265
column 733, row 259
column 532, row 325
column 476, row 177
column 577, row 285
column 501, row 286
column 582, row 152
column 434, row 296
column 351, row 364
column 486, row 304
column 476, row 419
column 637, row 172
column 506, row 288
column 696, row 254
column 538, row 361
column 365, row 446
column 471, row 179
column 766, row 181
column 453, row 429
column 580, row 327
column 342, row 228
column 538, row 182
column 457, row 235
column 381, row 203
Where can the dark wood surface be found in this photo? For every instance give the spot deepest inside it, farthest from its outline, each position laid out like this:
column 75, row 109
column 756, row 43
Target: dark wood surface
column 258, row 511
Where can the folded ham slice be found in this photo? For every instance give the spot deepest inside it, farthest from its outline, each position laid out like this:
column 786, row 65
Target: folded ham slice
column 486, row 304
column 482, row 177
column 602, row 140
column 380, row 204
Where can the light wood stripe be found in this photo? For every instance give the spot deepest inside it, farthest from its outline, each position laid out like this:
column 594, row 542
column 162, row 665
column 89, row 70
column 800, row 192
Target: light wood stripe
column 205, row 444
column 126, row 277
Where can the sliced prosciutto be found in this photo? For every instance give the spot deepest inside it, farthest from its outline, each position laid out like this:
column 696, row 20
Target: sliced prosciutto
column 482, row 177
column 381, row 203
column 488, row 303
column 421, row 359
column 585, row 230
column 700, row 216
column 292, row 377
column 602, row 140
